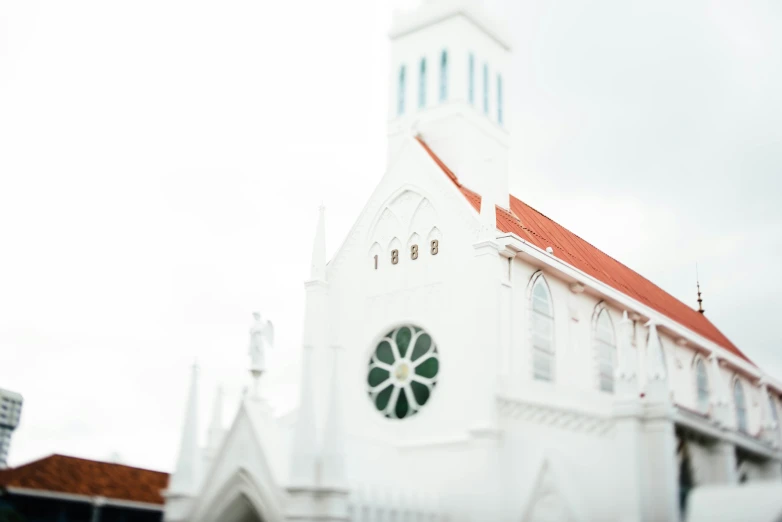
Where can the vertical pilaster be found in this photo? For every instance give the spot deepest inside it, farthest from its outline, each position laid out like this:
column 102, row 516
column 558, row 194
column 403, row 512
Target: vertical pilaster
column 660, row 466
column 628, row 452
column 487, row 323
column 627, row 418
column 724, row 463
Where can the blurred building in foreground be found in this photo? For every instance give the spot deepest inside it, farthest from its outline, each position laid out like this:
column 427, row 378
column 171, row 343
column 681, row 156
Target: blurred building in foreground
column 467, row 358
column 10, row 413
column 69, row 489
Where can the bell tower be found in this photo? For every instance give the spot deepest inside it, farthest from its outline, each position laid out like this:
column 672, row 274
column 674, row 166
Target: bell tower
column 449, row 82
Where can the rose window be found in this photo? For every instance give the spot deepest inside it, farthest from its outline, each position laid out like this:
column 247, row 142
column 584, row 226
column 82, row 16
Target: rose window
column 403, row 372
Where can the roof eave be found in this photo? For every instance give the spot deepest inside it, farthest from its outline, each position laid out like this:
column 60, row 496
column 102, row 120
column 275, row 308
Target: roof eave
column 515, row 243
column 90, row 499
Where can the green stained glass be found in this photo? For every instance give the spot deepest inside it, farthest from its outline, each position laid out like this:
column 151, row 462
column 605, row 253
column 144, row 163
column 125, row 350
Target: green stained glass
column 381, row 401
column 384, row 353
column 428, row 368
column 403, row 336
column 420, row 392
column 400, row 360
column 377, row 376
column 422, row 345
column 402, row 406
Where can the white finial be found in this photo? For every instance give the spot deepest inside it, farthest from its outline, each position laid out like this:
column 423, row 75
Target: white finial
column 318, row 265
column 656, row 375
column 626, row 372
column 185, row 478
column 654, row 353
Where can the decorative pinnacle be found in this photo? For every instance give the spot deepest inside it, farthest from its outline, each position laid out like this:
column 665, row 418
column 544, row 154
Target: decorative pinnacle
column 698, row 283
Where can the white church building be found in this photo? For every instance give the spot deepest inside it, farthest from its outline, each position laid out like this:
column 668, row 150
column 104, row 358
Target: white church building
column 465, row 358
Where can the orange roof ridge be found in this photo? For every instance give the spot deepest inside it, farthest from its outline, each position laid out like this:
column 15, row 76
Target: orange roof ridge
column 542, row 231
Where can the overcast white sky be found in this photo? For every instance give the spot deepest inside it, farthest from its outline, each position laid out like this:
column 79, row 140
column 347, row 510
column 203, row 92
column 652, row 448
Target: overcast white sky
column 161, row 164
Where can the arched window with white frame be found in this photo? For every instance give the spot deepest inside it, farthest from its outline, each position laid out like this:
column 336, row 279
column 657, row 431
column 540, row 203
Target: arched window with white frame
column 701, row 385
column 542, row 330
column 740, row 403
column 605, row 344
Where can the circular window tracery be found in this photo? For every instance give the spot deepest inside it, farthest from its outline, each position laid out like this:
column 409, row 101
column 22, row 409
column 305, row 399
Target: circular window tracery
column 403, row 372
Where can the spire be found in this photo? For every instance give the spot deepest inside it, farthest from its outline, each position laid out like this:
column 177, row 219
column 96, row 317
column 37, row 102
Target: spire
column 216, row 424
column 333, row 438
column 304, row 450
column 655, row 366
column 184, row 480
column 318, row 266
column 698, row 282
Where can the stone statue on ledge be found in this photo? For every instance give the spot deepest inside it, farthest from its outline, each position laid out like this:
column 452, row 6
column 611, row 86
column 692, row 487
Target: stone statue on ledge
column 261, row 339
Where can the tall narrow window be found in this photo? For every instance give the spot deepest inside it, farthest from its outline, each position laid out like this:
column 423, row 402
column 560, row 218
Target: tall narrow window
column 444, row 76
column 702, row 382
column 606, row 351
column 471, row 80
column 499, row 99
column 486, row 88
column 542, row 331
column 741, row 406
column 773, row 406
column 400, row 107
column 422, row 85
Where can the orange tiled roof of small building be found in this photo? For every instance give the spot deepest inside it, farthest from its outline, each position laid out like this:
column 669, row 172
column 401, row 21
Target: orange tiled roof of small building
column 61, row 474
column 535, row 228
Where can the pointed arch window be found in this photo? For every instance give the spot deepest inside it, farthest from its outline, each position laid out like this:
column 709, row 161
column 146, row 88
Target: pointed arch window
column 422, row 84
column 486, row 88
column 400, row 107
column 702, row 385
column 542, row 330
column 471, row 79
column 605, row 340
column 499, row 99
column 740, row 403
column 444, row 76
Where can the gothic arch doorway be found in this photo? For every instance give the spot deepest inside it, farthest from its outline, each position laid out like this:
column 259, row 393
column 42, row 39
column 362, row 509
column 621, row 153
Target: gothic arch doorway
column 240, row 509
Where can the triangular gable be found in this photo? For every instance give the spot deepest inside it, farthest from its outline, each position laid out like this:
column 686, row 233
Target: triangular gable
column 240, row 468
column 395, row 181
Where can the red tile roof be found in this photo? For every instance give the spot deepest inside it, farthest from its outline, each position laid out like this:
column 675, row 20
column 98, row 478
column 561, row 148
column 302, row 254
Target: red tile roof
column 61, row 474
column 535, row 228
